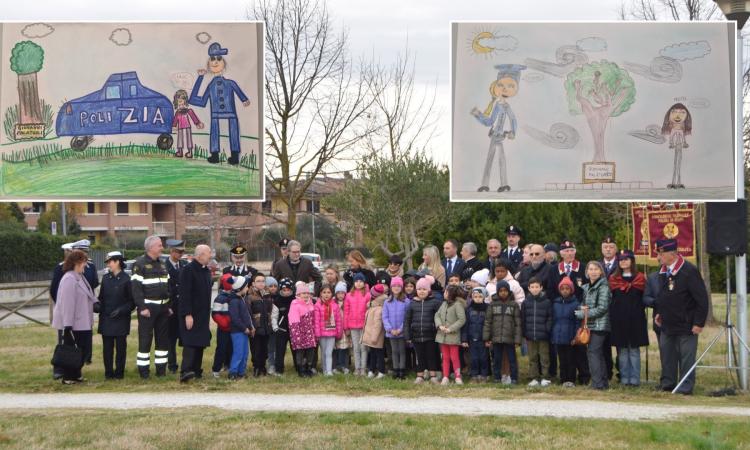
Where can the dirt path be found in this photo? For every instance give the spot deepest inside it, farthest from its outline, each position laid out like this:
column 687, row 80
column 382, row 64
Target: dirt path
column 338, row 403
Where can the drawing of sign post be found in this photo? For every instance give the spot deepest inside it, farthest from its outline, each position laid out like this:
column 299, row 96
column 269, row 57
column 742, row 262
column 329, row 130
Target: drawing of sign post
column 599, row 90
column 26, row 60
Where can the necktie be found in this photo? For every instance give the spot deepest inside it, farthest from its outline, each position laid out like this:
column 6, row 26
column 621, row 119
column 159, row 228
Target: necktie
column 567, row 269
column 450, row 266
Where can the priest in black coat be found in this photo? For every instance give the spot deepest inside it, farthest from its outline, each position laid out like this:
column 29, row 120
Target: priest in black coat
column 195, row 312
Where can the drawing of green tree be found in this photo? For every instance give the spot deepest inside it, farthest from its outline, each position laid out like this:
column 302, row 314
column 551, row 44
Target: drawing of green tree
column 26, row 60
column 599, row 90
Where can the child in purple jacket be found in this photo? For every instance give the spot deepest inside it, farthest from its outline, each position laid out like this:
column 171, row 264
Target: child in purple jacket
column 394, row 312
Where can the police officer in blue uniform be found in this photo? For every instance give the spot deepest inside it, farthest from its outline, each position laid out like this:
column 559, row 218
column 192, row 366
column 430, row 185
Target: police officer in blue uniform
column 175, row 263
column 220, row 92
column 513, row 252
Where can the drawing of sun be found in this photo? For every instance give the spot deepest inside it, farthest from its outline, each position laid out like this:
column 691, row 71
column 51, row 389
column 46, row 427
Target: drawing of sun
column 487, row 43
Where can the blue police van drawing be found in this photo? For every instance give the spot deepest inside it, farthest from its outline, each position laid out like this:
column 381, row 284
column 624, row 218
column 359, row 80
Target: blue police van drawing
column 122, row 106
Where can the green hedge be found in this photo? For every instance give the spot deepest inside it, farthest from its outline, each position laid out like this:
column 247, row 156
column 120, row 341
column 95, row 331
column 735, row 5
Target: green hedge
column 30, row 251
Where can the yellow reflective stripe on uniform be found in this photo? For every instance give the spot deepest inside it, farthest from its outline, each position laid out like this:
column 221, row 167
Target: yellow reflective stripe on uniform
column 153, row 280
column 160, row 361
column 136, row 277
column 161, row 352
column 142, row 362
column 143, row 355
column 157, row 302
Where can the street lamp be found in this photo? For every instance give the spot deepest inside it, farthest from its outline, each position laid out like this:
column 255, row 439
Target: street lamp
column 739, row 10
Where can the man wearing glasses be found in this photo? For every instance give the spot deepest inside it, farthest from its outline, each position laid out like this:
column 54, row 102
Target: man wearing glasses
column 297, row 268
column 220, row 92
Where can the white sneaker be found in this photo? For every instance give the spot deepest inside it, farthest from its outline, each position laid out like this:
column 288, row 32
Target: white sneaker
column 569, row 384
column 336, row 371
column 272, row 370
column 534, row 383
column 459, row 381
column 329, row 374
column 380, row 375
column 506, row 380
column 434, row 380
column 445, row 381
column 545, row 383
column 370, row 374
column 345, row 371
column 216, row 374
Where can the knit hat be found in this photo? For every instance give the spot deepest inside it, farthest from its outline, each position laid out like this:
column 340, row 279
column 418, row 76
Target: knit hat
column 302, row 288
column 377, row 290
column 397, row 281
column 271, row 281
column 340, row 287
column 481, row 290
column 481, row 277
column 286, row 283
column 226, row 284
column 239, row 282
column 502, row 284
column 566, row 281
column 382, row 277
column 425, row 282
column 359, row 276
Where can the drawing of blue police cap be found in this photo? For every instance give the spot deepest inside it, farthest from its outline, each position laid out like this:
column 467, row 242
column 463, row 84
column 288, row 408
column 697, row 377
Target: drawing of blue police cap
column 509, row 70
column 216, row 50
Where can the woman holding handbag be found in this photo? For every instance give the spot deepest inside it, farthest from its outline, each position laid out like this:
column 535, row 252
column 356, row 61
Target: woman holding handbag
column 74, row 313
column 595, row 307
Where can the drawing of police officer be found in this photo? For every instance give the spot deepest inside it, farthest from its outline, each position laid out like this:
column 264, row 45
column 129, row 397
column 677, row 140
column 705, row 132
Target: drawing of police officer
column 220, row 92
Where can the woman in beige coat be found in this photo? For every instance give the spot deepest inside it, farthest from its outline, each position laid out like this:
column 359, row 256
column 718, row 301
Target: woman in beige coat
column 373, row 336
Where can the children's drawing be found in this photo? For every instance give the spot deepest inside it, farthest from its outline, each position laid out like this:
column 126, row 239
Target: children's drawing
column 560, row 135
column 603, row 77
column 503, row 88
column 488, row 43
column 678, row 123
column 145, row 111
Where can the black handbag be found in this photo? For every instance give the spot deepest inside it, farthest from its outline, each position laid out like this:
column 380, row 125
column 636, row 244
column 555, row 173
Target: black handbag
column 68, row 357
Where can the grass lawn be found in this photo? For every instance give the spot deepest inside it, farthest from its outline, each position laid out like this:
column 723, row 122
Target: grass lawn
column 135, row 176
column 26, row 351
column 213, row 428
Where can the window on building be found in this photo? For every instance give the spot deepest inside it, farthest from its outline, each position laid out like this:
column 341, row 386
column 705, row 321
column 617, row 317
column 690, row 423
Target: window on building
column 122, row 208
column 90, row 208
column 38, row 207
column 313, row 206
column 189, row 207
column 267, row 206
column 234, row 209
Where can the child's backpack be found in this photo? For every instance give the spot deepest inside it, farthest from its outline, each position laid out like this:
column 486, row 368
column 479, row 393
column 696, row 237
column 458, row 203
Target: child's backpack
column 220, row 311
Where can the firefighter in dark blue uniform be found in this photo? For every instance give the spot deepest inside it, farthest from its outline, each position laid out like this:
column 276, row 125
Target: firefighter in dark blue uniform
column 513, row 252
column 150, row 286
column 174, row 264
column 220, row 92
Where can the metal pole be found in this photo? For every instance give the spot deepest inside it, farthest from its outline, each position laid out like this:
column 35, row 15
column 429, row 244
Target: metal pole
column 63, row 215
column 740, row 263
column 312, row 208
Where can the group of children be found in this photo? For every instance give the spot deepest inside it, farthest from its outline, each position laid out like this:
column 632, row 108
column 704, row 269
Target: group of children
column 432, row 332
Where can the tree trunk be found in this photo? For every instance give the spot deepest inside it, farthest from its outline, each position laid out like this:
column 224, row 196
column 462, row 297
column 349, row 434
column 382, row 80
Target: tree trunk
column 703, row 258
column 29, row 108
column 291, row 220
column 598, row 124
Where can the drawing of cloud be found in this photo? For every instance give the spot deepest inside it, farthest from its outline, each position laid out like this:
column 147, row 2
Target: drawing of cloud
column 652, row 134
column 699, row 102
column 685, row 51
column 533, row 77
column 567, row 58
column 560, row 135
column 662, row 69
column 37, row 30
column 592, row 44
column 505, row 43
column 182, row 80
column 121, row 37
column 203, row 37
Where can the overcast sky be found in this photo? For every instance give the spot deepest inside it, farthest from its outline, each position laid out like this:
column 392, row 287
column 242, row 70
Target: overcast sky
column 375, row 27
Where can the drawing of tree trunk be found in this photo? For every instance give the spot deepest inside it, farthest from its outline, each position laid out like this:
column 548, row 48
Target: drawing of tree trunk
column 599, row 90
column 26, row 60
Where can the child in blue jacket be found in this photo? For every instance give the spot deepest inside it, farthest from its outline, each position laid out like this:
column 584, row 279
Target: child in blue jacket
column 572, row 358
column 471, row 335
column 241, row 326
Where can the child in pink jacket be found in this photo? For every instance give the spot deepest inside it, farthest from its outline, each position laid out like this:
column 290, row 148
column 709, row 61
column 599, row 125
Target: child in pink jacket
column 302, row 330
column 355, row 308
column 182, row 117
column 328, row 326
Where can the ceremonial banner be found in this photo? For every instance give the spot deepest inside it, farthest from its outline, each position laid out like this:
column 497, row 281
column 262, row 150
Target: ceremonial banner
column 655, row 221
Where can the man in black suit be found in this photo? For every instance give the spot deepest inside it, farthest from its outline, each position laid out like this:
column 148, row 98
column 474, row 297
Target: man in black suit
column 609, row 262
column 452, row 263
column 494, row 251
column 175, row 263
column 513, row 252
column 471, row 262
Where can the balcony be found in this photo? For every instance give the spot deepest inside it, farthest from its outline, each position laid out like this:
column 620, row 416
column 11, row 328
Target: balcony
column 166, row 229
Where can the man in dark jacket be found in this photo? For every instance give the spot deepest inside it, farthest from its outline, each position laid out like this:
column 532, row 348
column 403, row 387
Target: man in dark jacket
column 681, row 311
column 297, row 268
column 150, row 285
column 472, row 264
column 195, row 312
column 451, row 262
column 539, row 269
column 175, row 263
column 513, row 252
column 239, row 266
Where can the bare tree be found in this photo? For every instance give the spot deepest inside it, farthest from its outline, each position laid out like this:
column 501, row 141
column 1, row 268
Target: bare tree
column 403, row 120
column 315, row 100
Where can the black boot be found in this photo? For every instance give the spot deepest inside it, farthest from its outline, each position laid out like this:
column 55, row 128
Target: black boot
column 256, row 372
column 161, row 370
column 187, row 376
column 214, row 158
column 234, row 159
column 144, row 372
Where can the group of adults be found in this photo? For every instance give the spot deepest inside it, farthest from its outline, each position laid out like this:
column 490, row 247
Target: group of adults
column 173, row 298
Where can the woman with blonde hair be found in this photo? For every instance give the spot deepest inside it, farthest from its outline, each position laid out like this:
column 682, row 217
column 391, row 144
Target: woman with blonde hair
column 431, row 263
column 358, row 264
